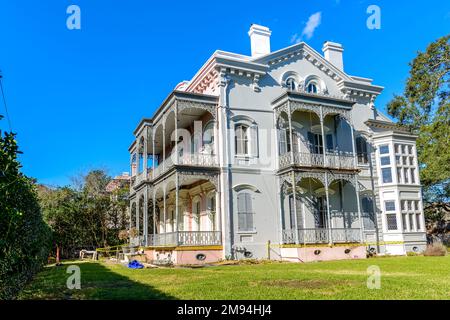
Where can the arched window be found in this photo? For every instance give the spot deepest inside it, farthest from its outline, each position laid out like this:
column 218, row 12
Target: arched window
column 312, row 87
column 245, row 211
column 291, row 83
column 241, row 140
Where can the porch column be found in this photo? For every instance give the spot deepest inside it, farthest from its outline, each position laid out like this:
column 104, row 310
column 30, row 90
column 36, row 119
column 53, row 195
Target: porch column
column 361, row 224
column 218, row 222
column 164, row 147
column 138, row 158
column 164, row 207
column 153, row 154
column 294, row 194
column 145, row 155
column 154, row 213
column 145, row 233
column 330, row 234
column 323, row 139
column 290, row 132
column 280, row 197
column 176, row 141
column 176, row 201
column 355, row 157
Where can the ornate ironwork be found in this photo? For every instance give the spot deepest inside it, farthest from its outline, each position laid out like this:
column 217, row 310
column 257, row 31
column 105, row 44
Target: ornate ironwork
column 189, row 104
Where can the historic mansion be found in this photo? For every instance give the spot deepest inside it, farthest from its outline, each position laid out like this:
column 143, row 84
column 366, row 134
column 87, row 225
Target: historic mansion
column 278, row 155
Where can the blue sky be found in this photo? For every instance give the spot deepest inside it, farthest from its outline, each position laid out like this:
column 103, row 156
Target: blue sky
column 75, row 96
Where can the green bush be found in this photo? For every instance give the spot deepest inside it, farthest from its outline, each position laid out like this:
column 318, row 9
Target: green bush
column 25, row 238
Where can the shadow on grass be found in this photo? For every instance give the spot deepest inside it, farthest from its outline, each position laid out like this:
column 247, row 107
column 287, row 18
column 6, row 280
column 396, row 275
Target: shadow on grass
column 97, row 283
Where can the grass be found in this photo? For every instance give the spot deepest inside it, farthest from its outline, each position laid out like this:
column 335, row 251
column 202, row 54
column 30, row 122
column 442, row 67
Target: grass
column 401, row 278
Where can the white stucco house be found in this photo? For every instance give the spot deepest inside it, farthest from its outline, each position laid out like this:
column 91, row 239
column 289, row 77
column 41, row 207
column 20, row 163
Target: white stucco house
column 278, row 155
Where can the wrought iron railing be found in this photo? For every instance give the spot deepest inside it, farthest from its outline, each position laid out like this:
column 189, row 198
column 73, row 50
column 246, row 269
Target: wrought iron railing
column 185, row 238
column 190, row 159
column 322, row 235
column 306, row 159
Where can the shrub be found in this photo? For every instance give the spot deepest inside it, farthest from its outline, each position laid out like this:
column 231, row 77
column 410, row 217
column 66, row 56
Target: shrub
column 412, row 254
column 435, row 249
column 24, row 237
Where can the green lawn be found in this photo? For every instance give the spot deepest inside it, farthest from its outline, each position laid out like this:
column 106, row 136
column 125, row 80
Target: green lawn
column 401, row 278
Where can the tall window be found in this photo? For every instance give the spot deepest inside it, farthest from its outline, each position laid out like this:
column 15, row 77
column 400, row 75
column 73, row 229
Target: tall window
column 361, row 150
column 245, row 212
column 391, row 218
column 241, row 140
column 315, row 143
column 406, row 167
column 385, row 163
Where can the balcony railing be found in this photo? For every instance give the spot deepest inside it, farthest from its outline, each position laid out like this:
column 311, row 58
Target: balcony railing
column 190, row 159
column 313, row 160
column 322, row 235
column 193, row 159
column 185, row 238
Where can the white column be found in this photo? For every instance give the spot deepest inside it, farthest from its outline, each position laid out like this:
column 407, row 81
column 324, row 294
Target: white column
column 154, row 213
column 145, row 209
column 330, row 234
column 280, row 197
column 153, row 157
column 294, row 194
column 361, row 224
column 291, row 142
column 324, row 149
column 164, row 212
column 355, row 157
column 164, row 147
column 176, row 200
column 224, row 147
column 145, row 155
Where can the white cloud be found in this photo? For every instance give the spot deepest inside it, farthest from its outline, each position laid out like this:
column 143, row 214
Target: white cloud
column 314, row 21
column 312, row 24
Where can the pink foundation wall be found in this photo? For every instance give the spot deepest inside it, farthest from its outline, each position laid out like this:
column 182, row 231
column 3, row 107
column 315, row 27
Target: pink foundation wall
column 326, row 254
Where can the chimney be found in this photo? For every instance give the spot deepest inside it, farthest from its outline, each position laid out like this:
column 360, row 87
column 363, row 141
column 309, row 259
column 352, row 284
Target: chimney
column 333, row 53
column 259, row 40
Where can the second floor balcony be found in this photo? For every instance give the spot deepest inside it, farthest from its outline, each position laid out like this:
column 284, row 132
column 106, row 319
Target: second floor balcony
column 331, row 160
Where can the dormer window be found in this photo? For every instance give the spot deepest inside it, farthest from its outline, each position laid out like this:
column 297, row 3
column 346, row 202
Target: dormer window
column 312, row 87
column 291, row 84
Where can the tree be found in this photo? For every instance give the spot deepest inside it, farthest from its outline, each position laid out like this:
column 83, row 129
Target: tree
column 85, row 215
column 424, row 108
column 24, row 237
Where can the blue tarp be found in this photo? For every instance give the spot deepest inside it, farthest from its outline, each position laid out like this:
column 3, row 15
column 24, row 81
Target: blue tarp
column 135, row 265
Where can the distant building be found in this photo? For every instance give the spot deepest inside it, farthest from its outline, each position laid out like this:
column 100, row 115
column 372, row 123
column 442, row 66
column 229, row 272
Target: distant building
column 118, row 182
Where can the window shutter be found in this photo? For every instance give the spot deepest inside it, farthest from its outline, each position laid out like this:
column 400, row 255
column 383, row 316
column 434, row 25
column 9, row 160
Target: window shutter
column 330, row 145
column 295, row 147
column 253, row 141
column 282, row 141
